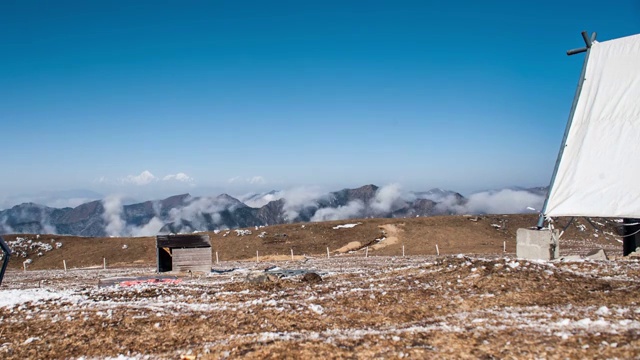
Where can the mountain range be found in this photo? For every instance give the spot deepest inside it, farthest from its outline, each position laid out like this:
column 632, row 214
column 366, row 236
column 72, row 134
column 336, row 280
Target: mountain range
column 186, row 213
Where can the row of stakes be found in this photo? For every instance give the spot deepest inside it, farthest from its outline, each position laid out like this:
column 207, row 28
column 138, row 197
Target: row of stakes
column 64, row 264
column 366, row 254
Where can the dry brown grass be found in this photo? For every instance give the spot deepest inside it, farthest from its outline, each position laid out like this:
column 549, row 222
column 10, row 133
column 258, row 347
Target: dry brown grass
column 419, row 236
column 380, row 307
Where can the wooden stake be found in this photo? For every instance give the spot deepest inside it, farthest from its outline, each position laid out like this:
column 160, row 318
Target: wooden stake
column 291, row 254
column 437, row 250
column 64, row 263
column 402, row 250
column 104, row 263
column 24, row 265
column 327, row 252
column 504, row 246
column 217, row 260
column 366, row 252
column 257, row 257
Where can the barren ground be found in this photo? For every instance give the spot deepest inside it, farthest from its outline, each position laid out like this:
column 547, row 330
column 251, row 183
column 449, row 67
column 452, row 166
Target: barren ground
column 484, row 304
column 419, row 236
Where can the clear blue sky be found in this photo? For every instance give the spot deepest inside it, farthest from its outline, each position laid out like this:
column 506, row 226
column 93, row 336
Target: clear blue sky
column 464, row 95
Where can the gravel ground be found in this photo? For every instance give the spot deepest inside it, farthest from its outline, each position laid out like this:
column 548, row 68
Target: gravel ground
column 375, row 307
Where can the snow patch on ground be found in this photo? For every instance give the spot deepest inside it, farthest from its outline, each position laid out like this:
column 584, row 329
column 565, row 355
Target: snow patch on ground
column 345, row 226
column 9, row 298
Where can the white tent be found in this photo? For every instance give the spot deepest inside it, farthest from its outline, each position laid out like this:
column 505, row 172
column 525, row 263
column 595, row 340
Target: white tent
column 598, row 171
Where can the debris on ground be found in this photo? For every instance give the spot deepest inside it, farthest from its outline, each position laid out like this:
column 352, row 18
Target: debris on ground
column 311, row 278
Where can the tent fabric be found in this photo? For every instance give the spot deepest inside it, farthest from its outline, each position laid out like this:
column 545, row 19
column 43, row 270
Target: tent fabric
column 599, row 172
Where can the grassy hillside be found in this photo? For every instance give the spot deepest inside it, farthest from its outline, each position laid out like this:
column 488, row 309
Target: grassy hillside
column 419, row 236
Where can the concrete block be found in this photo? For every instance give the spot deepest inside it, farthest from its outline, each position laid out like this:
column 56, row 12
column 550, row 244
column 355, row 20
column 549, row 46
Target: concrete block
column 537, row 244
column 597, row 254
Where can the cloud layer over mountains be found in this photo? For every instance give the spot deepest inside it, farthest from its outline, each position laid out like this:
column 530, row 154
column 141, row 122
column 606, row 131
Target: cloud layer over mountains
column 184, row 213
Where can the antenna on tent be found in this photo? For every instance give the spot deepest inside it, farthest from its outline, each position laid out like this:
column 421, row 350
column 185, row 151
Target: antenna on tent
column 588, row 41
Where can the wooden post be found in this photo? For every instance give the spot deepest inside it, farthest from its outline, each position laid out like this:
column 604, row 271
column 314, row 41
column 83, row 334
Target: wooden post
column 24, row 265
column 104, row 263
column 437, row 250
column 257, row 257
column 327, row 252
column 504, row 246
column 366, row 252
column 217, row 260
column 402, row 250
column 291, row 254
column 64, row 263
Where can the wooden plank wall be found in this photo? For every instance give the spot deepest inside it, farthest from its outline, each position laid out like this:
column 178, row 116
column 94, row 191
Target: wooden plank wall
column 198, row 259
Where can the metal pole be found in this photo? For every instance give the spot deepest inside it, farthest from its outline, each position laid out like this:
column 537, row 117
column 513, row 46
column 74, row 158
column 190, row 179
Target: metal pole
column 7, row 255
column 576, row 97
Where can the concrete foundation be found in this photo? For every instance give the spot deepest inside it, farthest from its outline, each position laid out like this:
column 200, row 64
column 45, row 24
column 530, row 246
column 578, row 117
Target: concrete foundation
column 537, row 244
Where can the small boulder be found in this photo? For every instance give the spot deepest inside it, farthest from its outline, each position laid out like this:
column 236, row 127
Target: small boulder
column 597, row 254
column 311, row 278
column 261, row 277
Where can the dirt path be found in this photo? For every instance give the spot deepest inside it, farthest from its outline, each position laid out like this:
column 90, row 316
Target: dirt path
column 354, row 245
column 391, row 236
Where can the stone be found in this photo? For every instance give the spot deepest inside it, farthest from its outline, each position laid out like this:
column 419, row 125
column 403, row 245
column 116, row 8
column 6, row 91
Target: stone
column 571, row 258
column 311, row 278
column 597, row 254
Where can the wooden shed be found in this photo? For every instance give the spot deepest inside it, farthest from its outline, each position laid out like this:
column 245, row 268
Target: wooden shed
column 183, row 253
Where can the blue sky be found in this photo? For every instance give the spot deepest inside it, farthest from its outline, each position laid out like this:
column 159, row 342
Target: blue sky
column 241, row 95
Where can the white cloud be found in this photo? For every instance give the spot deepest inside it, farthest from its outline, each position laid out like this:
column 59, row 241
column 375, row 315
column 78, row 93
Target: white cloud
column 178, row 177
column 113, row 215
column 145, row 178
column 150, row 229
column 259, row 200
column 297, row 199
column 254, row 180
column 197, row 211
column 505, row 201
column 388, row 198
column 353, row 209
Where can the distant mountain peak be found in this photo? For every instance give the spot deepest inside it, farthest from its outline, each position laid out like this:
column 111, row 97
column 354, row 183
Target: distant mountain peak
column 185, row 213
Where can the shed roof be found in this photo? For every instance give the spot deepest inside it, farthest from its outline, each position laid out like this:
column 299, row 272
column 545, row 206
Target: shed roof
column 183, row 241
